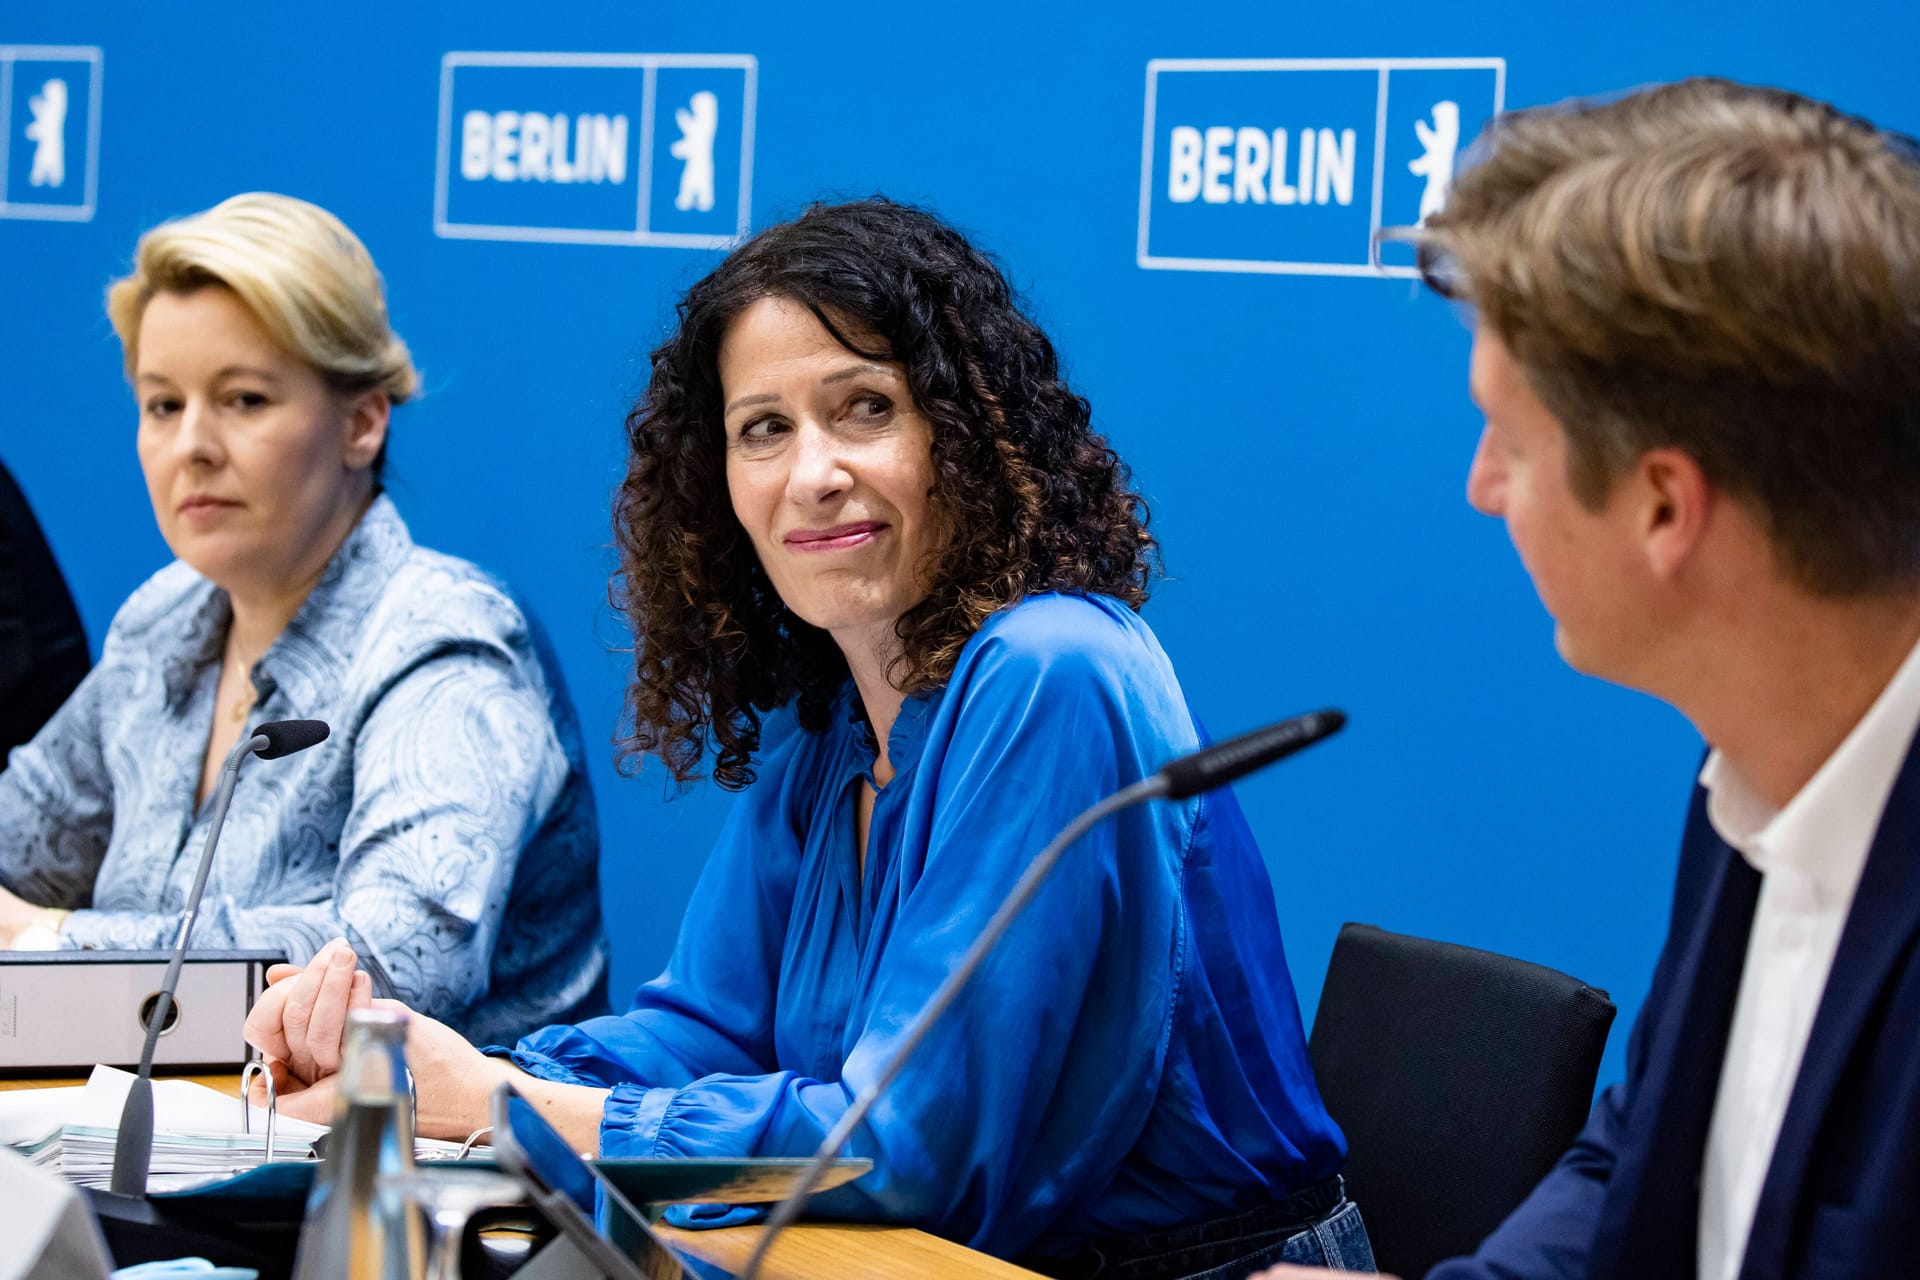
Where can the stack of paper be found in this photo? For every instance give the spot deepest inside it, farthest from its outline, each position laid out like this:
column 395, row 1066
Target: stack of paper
column 198, row 1136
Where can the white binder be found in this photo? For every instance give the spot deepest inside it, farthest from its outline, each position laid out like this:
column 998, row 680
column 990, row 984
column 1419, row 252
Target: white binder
column 65, row 1011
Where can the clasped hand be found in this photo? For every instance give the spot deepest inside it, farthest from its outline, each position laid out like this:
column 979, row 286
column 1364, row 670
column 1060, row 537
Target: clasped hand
column 299, row 1026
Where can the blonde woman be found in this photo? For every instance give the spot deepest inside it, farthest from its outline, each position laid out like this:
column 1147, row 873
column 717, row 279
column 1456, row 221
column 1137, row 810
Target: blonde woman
column 445, row 832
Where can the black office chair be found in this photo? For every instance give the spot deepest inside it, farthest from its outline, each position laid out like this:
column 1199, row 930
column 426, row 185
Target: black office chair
column 1459, row 1077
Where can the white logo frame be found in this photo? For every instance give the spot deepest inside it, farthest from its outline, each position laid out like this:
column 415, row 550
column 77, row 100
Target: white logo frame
column 1149, row 261
column 88, row 53
column 651, row 63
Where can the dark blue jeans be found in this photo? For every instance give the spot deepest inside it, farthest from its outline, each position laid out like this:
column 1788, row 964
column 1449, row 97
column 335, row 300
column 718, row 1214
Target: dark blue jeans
column 1317, row 1227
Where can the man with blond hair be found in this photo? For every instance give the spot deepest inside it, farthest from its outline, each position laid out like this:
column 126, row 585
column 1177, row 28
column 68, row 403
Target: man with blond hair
column 1697, row 347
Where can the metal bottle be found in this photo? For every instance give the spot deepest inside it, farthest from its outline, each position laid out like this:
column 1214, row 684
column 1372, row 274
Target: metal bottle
column 357, row 1228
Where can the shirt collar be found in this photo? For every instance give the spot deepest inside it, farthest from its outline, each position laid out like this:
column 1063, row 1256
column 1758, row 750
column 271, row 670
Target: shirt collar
column 309, row 657
column 306, row 660
column 202, row 628
column 908, row 737
column 906, row 741
column 1825, row 831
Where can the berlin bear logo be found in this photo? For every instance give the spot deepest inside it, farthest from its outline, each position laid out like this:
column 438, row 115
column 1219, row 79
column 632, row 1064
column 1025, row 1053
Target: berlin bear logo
column 1439, row 145
column 699, row 120
column 48, row 132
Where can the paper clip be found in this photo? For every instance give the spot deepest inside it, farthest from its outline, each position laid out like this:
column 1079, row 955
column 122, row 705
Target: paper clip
column 258, row 1067
column 473, row 1139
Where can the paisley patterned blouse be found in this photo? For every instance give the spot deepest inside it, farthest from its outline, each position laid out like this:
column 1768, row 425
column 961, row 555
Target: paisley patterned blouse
column 445, row 828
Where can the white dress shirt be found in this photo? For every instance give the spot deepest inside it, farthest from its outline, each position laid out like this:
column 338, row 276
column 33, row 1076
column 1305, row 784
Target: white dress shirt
column 1810, row 855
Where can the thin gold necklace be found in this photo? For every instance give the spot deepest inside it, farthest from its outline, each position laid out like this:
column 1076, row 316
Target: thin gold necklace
column 244, row 703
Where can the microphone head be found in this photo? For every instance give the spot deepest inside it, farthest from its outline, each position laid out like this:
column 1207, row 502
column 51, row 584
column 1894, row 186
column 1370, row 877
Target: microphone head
column 1221, row 763
column 284, row 737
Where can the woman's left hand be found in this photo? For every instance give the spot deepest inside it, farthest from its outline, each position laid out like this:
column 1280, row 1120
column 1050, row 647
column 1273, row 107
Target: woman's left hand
column 300, row 1020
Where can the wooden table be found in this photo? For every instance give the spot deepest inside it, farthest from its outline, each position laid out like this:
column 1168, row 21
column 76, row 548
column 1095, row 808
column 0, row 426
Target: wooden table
column 226, row 1082
column 806, row 1251
column 847, row 1251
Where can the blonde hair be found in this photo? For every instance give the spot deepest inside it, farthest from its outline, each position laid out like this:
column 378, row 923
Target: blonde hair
column 1728, row 270
column 307, row 279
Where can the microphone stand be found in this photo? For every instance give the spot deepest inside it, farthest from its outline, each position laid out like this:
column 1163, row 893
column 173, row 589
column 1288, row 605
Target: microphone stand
column 131, row 1157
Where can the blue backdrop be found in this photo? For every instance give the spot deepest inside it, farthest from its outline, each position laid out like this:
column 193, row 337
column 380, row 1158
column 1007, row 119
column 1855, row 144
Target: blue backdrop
column 1302, row 432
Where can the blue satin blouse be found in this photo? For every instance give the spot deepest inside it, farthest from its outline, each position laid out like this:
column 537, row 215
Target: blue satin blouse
column 1130, row 1059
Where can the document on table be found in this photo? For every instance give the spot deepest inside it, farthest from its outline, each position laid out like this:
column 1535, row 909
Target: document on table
column 198, row 1134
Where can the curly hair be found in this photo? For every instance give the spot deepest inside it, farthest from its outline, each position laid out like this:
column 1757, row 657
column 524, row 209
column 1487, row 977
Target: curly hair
column 1033, row 498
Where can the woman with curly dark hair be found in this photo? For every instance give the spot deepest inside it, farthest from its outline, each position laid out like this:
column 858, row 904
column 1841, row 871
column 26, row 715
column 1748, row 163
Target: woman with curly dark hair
column 884, row 574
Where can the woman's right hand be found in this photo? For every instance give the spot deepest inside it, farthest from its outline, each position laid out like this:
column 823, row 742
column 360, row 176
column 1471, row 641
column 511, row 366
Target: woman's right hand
column 299, row 1026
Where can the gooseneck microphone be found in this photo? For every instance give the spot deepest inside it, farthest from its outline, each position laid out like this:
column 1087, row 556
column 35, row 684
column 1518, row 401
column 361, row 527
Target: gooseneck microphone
column 1191, row 774
column 133, row 1147
column 1221, row 763
column 284, row 737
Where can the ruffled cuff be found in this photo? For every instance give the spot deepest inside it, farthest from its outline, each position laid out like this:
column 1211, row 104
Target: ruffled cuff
column 538, row 1065
column 631, row 1122
column 630, row 1126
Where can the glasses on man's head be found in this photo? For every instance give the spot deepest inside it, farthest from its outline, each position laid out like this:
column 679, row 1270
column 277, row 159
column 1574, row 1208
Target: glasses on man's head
column 1437, row 265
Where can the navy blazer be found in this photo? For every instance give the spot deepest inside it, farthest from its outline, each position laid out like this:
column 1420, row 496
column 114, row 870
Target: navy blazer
column 1842, row 1194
